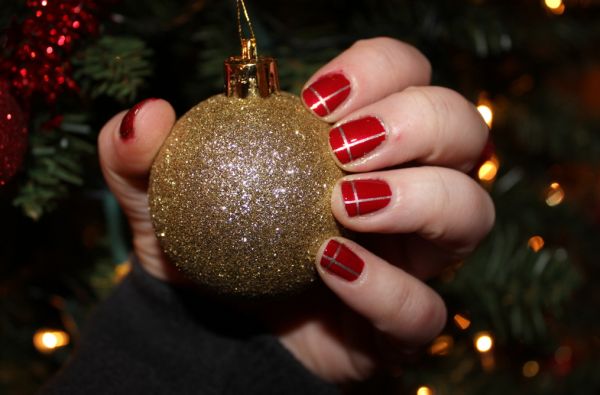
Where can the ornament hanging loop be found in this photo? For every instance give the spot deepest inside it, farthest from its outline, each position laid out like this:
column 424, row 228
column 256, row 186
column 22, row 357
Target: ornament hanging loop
column 249, row 75
column 249, row 50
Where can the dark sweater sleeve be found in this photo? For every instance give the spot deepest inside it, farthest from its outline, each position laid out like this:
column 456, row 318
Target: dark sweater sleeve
column 150, row 337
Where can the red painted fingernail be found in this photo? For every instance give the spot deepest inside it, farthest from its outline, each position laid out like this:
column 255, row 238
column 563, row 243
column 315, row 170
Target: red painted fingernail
column 365, row 196
column 339, row 260
column 127, row 130
column 326, row 94
column 355, row 139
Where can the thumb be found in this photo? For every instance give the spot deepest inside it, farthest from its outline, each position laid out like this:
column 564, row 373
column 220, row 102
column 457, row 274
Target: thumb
column 129, row 142
column 127, row 145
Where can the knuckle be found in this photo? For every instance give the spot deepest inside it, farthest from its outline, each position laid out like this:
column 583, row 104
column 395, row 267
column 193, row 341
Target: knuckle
column 415, row 315
column 440, row 197
column 435, row 112
column 390, row 53
column 392, row 314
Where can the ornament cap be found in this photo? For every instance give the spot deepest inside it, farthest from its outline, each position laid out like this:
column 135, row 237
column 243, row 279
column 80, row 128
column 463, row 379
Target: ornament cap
column 250, row 75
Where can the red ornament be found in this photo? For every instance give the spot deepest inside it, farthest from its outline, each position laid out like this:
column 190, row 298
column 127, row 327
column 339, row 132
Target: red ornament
column 13, row 135
column 41, row 45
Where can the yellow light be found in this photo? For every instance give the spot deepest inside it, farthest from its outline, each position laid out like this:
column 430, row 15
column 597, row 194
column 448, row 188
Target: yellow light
column 553, row 3
column 441, row 345
column 48, row 340
column 483, row 342
column 555, row 194
column 536, row 243
column 121, row 270
column 424, row 390
column 489, row 169
column 531, row 368
column 555, row 6
column 485, row 109
column 461, row 321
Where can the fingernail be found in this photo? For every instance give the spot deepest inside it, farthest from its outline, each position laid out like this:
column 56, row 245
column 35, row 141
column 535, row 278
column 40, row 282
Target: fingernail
column 126, row 130
column 355, row 139
column 365, row 196
column 339, row 260
column 326, row 94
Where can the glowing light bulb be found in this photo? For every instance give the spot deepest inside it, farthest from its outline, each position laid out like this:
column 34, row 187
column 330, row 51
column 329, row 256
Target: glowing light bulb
column 48, row 340
column 489, row 169
column 424, row 390
column 536, row 243
column 530, row 369
column 483, row 342
column 555, row 6
column 555, row 194
column 485, row 109
column 121, row 270
column 442, row 345
column 461, row 321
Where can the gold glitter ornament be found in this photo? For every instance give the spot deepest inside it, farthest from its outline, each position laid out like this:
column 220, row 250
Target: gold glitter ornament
column 240, row 191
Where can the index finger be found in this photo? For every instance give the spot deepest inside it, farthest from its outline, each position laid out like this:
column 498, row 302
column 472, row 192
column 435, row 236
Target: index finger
column 365, row 73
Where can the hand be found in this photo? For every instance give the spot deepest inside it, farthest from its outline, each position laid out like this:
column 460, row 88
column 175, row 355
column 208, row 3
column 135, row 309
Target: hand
column 425, row 216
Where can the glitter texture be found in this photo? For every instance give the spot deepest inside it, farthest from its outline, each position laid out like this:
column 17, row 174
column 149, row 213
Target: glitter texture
column 240, row 194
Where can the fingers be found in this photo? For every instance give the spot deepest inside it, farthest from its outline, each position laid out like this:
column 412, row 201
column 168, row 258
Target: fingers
column 127, row 146
column 440, row 205
column 369, row 71
column 129, row 141
column 430, row 125
column 395, row 303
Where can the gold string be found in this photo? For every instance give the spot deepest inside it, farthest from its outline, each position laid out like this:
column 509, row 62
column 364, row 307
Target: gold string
column 241, row 7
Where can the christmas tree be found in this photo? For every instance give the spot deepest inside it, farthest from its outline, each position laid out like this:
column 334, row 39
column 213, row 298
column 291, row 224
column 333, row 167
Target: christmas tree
column 522, row 309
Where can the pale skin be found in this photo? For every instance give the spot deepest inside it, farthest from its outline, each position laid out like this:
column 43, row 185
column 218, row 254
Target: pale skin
column 436, row 217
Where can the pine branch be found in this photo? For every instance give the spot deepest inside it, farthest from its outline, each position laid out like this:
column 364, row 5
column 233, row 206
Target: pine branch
column 54, row 166
column 116, row 67
column 513, row 289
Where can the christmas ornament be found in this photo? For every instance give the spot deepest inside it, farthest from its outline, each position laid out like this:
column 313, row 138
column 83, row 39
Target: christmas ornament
column 13, row 135
column 40, row 46
column 240, row 191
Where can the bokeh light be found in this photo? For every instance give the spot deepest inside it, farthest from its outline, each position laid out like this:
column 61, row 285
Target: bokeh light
column 536, row 243
column 531, row 369
column 47, row 340
column 555, row 6
column 489, row 169
column 485, row 109
column 442, row 345
column 424, row 390
column 555, row 194
column 461, row 321
column 483, row 342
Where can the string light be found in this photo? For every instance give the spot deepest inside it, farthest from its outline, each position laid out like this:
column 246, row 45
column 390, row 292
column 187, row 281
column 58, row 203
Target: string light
column 489, row 169
column 555, row 6
column 121, row 270
column 530, row 369
column 424, row 390
column 441, row 345
column 47, row 340
column 536, row 243
column 485, row 109
column 555, row 194
column 483, row 342
column 461, row 321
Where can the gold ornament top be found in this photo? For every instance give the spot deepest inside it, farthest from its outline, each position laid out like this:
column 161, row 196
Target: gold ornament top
column 250, row 74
